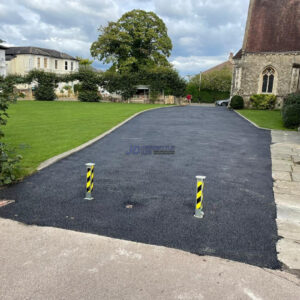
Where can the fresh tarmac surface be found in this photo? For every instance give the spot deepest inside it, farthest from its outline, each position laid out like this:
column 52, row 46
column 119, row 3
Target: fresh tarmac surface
column 240, row 212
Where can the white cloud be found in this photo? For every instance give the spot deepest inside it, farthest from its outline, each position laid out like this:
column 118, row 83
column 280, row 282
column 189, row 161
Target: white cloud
column 203, row 32
column 194, row 64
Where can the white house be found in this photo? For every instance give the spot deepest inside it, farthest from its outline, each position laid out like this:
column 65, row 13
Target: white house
column 21, row 60
column 2, row 61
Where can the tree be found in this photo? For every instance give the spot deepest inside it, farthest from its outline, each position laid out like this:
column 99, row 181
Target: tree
column 138, row 40
column 218, row 80
column 85, row 62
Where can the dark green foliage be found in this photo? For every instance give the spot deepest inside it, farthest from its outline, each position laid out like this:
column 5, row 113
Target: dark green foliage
column 237, row 102
column 77, row 88
column 291, row 99
column 263, row 101
column 291, row 111
column 8, row 159
column 8, row 164
column 88, row 91
column 204, row 95
column 159, row 79
column 138, row 40
column 291, row 115
column 45, row 90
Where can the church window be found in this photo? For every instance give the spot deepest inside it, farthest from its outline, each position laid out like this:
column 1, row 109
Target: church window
column 268, row 80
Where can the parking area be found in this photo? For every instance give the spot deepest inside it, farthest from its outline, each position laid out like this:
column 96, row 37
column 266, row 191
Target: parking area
column 149, row 198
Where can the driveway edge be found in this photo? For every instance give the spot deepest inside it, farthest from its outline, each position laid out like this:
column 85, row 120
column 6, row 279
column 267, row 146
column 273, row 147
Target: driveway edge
column 253, row 122
column 58, row 157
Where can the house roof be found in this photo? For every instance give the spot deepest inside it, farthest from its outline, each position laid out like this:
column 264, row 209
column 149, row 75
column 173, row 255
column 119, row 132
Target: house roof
column 13, row 51
column 226, row 64
column 3, row 47
column 274, row 26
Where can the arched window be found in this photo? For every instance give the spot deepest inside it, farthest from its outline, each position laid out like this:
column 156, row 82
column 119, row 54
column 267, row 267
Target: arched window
column 268, row 80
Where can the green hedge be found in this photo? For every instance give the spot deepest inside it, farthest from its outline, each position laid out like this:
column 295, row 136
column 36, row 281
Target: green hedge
column 205, row 96
column 291, row 111
column 263, row 101
column 291, row 115
column 237, row 102
column 291, row 99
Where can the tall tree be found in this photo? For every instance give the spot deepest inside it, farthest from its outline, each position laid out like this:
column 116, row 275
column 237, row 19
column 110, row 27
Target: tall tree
column 138, row 40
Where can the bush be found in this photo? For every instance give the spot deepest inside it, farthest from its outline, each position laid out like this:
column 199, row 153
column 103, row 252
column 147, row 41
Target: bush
column 237, row 102
column 88, row 91
column 77, row 88
column 291, row 99
column 8, row 165
column 88, row 96
column 45, row 90
column 263, row 102
column 8, row 160
column 291, row 115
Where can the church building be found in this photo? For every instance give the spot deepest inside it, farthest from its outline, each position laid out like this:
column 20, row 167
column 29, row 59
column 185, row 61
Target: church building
column 269, row 61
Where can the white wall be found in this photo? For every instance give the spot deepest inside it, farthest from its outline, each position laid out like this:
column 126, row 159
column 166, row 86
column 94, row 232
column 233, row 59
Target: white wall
column 2, row 63
column 24, row 63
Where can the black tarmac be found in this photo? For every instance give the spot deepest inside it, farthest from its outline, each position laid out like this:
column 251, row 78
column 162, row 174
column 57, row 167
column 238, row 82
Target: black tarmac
column 150, row 198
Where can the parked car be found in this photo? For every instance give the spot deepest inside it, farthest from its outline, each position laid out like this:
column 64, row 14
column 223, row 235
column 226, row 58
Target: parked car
column 222, row 102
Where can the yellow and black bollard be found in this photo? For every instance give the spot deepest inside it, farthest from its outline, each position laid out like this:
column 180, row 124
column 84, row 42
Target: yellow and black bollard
column 199, row 197
column 89, row 181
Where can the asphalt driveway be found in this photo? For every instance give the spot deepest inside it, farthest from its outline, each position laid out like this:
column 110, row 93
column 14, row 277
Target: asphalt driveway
column 239, row 206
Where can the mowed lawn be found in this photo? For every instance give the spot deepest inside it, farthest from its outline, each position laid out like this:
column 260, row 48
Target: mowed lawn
column 41, row 130
column 270, row 119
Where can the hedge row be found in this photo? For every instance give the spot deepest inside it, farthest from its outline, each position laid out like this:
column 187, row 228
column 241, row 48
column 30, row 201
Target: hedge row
column 291, row 111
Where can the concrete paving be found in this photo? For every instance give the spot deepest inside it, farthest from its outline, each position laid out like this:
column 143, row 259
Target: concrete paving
column 50, row 263
column 285, row 165
column 150, row 198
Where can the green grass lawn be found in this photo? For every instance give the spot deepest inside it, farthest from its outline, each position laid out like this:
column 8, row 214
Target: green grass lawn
column 270, row 119
column 41, row 130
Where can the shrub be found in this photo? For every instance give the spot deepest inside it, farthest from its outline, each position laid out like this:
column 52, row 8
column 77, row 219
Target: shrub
column 88, row 96
column 8, row 159
column 291, row 115
column 291, row 99
column 88, row 91
column 46, row 85
column 77, row 88
column 8, row 164
column 263, row 102
column 237, row 102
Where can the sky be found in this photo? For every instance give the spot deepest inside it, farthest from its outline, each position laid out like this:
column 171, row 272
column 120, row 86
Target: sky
column 203, row 32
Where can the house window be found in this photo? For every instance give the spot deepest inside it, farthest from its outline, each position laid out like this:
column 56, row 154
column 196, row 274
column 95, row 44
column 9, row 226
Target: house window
column 39, row 62
column 56, row 64
column 66, row 65
column 45, row 63
column 268, row 80
column 72, row 66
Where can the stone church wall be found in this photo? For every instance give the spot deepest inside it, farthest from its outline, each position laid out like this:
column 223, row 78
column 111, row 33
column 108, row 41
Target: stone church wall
column 247, row 74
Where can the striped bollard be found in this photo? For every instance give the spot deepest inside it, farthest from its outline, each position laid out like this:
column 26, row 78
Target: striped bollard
column 199, row 198
column 89, row 181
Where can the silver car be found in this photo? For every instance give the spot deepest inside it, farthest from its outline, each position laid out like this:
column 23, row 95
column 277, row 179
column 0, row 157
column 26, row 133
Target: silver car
column 222, row 102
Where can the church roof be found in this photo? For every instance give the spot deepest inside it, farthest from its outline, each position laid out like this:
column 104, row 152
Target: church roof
column 13, row 51
column 274, row 26
column 238, row 54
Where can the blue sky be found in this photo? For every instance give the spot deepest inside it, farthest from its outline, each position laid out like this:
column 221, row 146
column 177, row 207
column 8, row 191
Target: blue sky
column 203, row 32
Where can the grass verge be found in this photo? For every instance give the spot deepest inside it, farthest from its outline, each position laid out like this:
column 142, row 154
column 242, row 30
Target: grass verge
column 41, row 130
column 270, row 119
